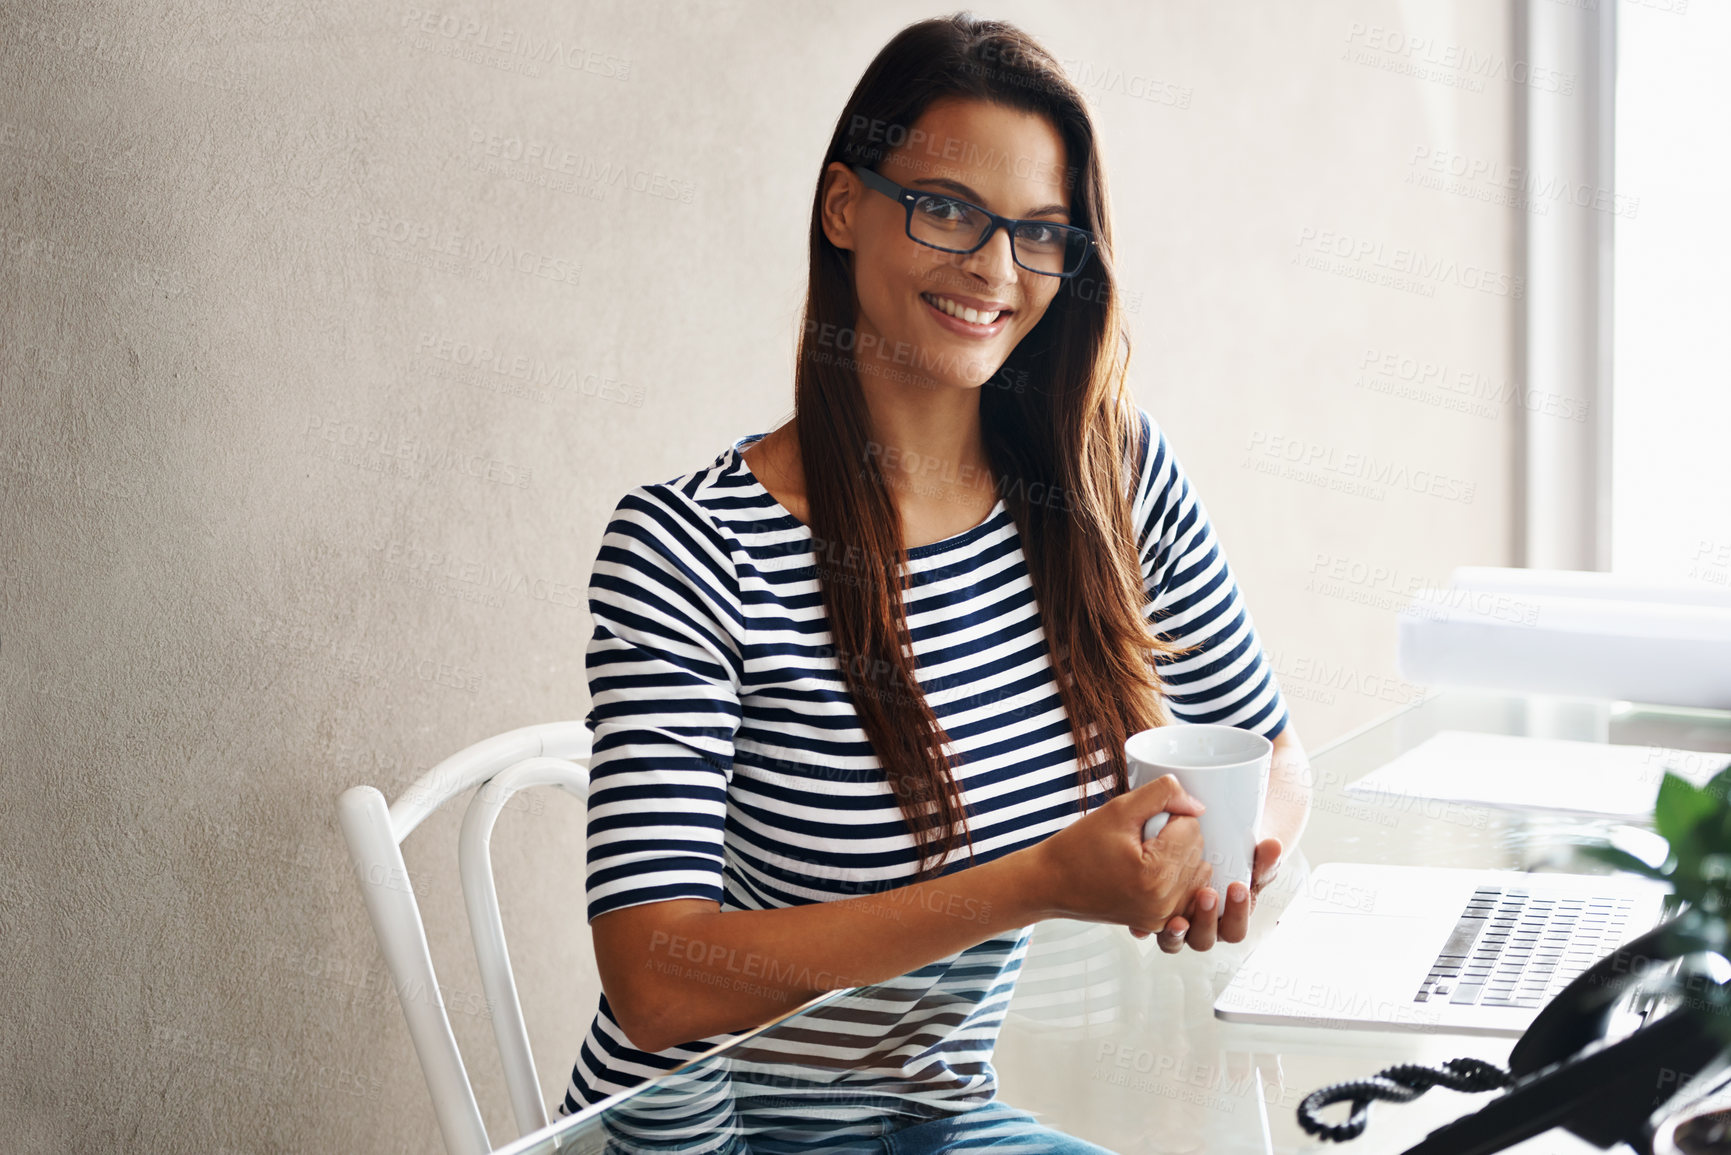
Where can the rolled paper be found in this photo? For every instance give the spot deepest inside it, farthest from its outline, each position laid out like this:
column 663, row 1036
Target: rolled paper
column 1668, row 653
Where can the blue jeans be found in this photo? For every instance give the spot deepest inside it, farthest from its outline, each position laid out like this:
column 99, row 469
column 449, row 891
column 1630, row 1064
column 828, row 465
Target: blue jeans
column 996, row 1127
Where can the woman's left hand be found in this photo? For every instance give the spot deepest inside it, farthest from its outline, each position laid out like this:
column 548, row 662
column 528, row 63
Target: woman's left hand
column 1205, row 921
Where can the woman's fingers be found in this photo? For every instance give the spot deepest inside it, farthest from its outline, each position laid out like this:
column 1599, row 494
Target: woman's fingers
column 1163, row 794
column 1235, row 918
column 1205, row 920
column 1172, row 937
column 1211, row 918
column 1198, row 928
column 1267, row 864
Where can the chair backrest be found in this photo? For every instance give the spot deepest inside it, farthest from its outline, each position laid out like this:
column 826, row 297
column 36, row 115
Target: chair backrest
column 549, row 754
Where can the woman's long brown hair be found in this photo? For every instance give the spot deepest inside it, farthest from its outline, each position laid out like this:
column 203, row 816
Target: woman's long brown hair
column 1060, row 449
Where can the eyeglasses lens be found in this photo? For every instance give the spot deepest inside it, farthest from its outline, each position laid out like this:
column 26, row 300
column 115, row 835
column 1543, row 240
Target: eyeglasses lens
column 1044, row 248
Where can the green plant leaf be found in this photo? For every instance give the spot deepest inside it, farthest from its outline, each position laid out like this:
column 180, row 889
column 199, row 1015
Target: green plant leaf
column 1617, row 857
column 1681, row 807
column 1720, row 784
column 1696, row 824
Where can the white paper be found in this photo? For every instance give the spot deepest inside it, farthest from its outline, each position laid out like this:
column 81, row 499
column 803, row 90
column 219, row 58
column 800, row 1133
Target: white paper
column 1549, row 774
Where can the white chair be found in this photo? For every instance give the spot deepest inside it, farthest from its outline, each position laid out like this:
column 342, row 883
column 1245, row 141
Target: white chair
column 550, row 754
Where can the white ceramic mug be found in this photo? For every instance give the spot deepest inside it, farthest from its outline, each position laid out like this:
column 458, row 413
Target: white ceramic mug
column 1223, row 767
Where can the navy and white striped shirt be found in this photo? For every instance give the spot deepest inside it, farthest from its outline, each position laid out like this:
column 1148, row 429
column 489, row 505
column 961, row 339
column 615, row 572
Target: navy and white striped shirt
column 729, row 763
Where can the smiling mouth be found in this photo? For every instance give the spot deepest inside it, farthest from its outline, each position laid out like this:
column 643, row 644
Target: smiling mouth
column 962, row 312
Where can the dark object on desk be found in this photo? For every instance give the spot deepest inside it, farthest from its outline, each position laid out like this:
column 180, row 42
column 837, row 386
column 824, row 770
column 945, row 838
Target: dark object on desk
column 1701, row 1126
column 1564, row 1072
column 1397, row 1084
column 1708, row 1134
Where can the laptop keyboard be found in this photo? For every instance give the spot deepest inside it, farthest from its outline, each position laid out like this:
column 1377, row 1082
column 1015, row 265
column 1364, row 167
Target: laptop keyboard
column 1514, row 948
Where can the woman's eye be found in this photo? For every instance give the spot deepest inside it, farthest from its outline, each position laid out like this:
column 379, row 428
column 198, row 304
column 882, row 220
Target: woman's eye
column 942, row 209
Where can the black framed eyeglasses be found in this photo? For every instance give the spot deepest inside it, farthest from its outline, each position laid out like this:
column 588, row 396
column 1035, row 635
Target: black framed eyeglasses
column 958, row 226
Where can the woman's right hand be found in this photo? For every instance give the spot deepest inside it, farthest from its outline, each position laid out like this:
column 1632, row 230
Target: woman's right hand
column 1098, row 869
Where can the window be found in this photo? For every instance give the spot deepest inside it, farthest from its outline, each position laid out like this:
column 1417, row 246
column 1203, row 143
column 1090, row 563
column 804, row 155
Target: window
column 1671, row 292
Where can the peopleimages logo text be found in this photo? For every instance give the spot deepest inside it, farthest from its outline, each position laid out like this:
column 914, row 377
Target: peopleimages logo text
column 1362, row 467
column 1431, row 58
column 1410, row 262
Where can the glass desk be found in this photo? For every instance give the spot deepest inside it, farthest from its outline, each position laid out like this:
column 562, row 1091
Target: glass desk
column 1109, row 1039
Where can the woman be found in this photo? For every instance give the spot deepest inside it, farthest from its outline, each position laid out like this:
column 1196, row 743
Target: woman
column 842, row 676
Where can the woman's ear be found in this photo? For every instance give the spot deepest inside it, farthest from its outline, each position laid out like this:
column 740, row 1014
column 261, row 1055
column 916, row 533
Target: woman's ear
column 841, row 197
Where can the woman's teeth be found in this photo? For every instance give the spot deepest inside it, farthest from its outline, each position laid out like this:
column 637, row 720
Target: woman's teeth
column 972, row 316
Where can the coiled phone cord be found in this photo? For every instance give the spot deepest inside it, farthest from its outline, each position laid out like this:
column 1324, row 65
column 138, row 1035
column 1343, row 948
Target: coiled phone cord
column 1397, row 1084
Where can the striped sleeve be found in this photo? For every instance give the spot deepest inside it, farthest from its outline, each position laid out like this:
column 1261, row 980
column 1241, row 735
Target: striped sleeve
column 664, row 673
column 1194, row 601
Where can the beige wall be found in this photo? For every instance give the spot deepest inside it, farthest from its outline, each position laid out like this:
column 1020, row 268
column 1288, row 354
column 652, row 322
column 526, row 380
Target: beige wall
column 264, row 537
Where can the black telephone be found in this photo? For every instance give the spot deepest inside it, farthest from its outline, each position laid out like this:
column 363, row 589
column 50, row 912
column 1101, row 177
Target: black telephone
column 1564, row 1072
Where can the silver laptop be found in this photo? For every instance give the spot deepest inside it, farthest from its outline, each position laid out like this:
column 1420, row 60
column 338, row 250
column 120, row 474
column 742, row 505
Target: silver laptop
column 1426, row 948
